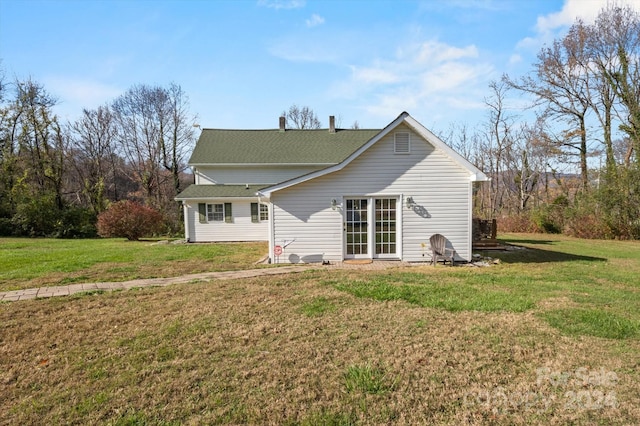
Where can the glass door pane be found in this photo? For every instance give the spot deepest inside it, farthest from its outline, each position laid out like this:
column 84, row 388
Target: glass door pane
column 356, row 227
column 385, row 228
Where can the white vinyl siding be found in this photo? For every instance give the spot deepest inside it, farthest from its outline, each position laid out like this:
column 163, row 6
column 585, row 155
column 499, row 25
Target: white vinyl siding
column 241, row 228
column 440, row 189
column 235, row 175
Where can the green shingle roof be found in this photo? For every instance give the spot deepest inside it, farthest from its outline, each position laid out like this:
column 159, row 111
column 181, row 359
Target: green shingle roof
column 319, row 146
column 218, row 191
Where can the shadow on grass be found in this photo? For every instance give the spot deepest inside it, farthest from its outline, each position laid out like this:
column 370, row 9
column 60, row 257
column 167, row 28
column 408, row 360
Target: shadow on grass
column 536, row 255
column 516, row 242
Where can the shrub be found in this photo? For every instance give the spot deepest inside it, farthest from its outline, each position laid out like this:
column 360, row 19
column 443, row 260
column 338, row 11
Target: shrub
column 130, row 220
column 36, row 217
column 75, row 222
column 519, row 222
column 584, row 219
column 6, row 227
column 550, row 218
column 588, row 226
column 42, row 217
column 619, row 201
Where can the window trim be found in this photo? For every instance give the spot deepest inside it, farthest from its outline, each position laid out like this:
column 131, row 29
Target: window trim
column 263, row 212
column 259, row 212
column 212, row 211
column 228, row 215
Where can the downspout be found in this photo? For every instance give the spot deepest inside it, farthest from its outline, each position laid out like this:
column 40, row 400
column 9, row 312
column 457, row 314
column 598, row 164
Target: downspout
column 470, row 220
column 271, row 235
column 187, row 233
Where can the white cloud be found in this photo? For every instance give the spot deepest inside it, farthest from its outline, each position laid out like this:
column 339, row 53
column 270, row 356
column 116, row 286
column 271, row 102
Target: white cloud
column 529, row 43
column 373, row 75
column 434, row 52
column 315, row 20
column 422, row 76
column 515, row 59
column 449, row 77
column 586, row 10
column 74, row 94
column 548, row 26
column 282, row 4
column 390, row 105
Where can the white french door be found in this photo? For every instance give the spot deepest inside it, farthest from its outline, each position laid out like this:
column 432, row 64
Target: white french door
column 385, row 228
column 356, row 230
column 371, row 228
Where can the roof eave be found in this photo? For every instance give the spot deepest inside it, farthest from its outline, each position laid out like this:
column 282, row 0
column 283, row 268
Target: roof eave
column 480, row 177
column 220, row 197
column 258, row 164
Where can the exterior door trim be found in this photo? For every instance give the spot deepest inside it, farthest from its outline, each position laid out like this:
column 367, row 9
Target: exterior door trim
column 382, row 238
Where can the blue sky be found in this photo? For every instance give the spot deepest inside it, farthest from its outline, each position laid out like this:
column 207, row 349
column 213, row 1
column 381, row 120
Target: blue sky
column 243, row 62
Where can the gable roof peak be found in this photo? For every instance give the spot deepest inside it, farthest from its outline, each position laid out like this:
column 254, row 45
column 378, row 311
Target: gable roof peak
column 475, row 174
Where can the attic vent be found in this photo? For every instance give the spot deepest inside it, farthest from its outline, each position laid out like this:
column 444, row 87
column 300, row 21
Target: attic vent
column 402, row 143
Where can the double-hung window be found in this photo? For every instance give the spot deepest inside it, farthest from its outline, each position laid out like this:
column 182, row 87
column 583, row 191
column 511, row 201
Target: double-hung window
column 264, row 212
column 259, row 212
column 220, row 212
column 215, row 212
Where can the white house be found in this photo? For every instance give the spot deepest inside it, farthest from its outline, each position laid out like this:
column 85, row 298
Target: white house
column 331, row 194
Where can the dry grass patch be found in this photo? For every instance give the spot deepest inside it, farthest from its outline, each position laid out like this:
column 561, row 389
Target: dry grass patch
column 265, row 351
column 561, row 302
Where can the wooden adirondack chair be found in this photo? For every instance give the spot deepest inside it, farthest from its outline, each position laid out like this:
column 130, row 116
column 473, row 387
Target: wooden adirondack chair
column 439, row 249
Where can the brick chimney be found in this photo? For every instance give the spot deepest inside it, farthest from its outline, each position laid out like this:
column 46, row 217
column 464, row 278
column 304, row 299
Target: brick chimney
column 283, row 123
column 332, row 124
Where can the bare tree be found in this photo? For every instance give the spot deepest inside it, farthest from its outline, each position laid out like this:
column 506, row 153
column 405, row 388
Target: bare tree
column 138, row 135
column 301, row 118
column 460, row 138
column 154, row 132
column 498, row 138
column 177, row 134
column 560, row 86
column 614, row 47
column 526, row 160
column 94, row 156
column 470, row 145
column 598, row 92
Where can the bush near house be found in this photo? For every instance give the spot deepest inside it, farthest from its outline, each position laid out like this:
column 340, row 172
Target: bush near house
column 130, row 220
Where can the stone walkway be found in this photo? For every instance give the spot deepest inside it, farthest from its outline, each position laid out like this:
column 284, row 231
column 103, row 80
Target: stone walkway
column 66, row 290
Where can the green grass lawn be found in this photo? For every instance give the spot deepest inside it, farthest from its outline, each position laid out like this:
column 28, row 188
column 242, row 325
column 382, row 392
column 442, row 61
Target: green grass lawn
column 26, row 263
column 594, row 285
column 550, row 335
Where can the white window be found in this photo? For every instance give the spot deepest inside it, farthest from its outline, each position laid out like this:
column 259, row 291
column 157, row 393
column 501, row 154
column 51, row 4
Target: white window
column 264, row 212
column 215, row 212
column 402, row 143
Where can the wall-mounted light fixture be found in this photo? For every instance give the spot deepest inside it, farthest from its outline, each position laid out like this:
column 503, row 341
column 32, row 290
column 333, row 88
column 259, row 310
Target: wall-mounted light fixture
column 334, row 204
column 410, row 202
